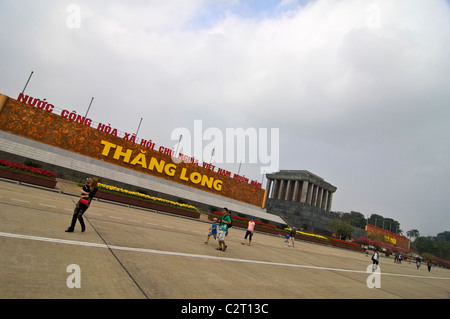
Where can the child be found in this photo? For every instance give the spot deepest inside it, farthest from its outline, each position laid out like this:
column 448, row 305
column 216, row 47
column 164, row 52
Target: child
column 250, row 230
column 212, row 230
column 375, row 259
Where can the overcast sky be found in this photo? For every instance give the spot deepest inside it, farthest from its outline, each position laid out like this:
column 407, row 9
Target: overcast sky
column 359, row 90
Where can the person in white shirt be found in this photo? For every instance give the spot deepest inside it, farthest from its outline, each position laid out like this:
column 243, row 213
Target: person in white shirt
column 375, row 259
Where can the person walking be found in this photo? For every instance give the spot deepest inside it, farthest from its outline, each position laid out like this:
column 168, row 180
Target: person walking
column 418, row 262
column 292, row 237
column 429, row 265
column 223, row 229
column 375, row 259
column 250, row 230
column 87, row 194
column 212, row 230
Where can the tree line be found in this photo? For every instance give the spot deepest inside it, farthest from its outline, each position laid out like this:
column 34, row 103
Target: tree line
column 438, row 245
column 357, row 219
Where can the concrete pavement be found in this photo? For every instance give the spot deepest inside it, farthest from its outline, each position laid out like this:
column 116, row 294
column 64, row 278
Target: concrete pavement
column 133, row 253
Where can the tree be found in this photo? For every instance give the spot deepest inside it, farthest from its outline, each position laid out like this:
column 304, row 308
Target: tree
column 424, row 244
column 388, row 224
column 436, row 246
column 341, row 228
column 445, row 236
column 391, row 225
column 412, row 233
column 376, row 220
column 355, row 219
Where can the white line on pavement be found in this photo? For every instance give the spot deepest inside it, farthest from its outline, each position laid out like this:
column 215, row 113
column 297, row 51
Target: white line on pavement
column 20, row 200
column 45, row 205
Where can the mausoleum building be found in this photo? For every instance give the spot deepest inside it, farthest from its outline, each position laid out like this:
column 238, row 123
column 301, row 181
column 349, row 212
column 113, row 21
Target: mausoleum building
column 301, row 198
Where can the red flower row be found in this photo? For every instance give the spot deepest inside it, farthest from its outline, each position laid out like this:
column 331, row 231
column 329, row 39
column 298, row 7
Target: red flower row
column 441, row 261
column 343, row 241
column 27, row 169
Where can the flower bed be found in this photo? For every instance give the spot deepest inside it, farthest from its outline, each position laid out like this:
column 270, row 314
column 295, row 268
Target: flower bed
column 146, row 197
column 436, row 260
column 307, row 235
column 345, row 244
column 142, row 200
column 27, row 174
column 27, row 169
column 325, row 240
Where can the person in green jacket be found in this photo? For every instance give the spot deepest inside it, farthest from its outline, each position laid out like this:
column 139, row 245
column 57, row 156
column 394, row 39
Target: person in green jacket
column 223, row 229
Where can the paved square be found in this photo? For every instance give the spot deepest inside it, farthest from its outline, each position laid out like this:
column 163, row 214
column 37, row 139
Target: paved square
column 132, row 253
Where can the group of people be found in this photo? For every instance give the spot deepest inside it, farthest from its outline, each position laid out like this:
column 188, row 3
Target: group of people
column 219, row 229
column 219, row 232
column 397, row 259
column 418, row 263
